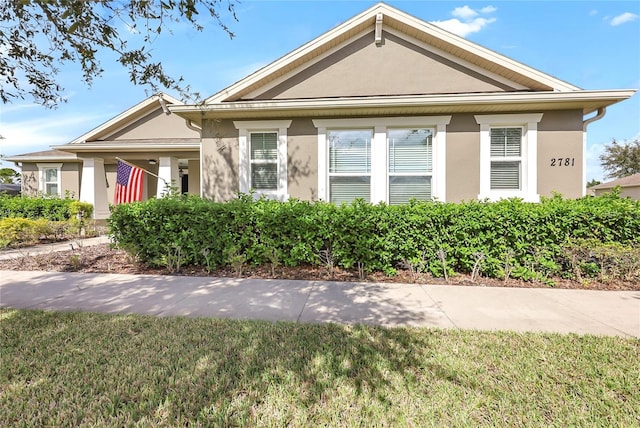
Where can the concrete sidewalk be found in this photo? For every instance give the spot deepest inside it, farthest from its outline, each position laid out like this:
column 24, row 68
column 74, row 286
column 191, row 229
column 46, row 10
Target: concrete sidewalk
column 49, row 248
column 483, row 308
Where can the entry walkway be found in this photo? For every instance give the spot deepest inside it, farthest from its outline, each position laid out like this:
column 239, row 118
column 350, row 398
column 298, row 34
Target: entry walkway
column 614, row 313
column 48, row 248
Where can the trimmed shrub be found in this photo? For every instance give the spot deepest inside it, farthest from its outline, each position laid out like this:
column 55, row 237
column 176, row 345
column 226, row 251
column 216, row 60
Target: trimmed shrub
column 16, row 231
column 510, row 238
column 50, row 208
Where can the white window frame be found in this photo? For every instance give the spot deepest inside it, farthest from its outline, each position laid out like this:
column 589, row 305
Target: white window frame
column 409, row 174
column 528, row 156
column 367, row 174
column 245, row 129
column 379, row 151
column 42, row 175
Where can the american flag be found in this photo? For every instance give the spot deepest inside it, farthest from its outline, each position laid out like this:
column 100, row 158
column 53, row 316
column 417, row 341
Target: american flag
column 128, row 184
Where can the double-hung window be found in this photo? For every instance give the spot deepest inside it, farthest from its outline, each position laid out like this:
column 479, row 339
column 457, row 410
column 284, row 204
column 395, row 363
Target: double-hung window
column 509, row 156
column 50, row 179
column 382, row 159
column 264, row 161
column 349, row 165
column 506, row 158
column 410, row 161
column 262, row 156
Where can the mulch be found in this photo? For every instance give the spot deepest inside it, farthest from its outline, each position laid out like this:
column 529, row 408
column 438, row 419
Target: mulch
column 104, row 259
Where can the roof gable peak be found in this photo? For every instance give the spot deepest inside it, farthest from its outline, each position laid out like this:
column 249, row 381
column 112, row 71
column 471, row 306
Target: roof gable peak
column 376, row 18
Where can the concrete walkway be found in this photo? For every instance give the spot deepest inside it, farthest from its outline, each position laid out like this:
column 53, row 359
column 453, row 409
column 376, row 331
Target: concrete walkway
column 614, row 313
column 49, row 248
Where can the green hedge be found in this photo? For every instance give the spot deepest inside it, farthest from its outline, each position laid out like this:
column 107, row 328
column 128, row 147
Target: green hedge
column 507, row 238
column 49, row 208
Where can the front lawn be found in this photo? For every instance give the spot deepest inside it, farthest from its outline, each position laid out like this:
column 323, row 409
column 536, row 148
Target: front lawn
column 75, row 369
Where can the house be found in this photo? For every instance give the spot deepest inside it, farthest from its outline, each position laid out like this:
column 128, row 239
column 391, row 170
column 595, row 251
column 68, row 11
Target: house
column 384, row 107
column 629, row 187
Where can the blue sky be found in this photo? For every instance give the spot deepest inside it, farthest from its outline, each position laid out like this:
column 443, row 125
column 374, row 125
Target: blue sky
column 594, row 45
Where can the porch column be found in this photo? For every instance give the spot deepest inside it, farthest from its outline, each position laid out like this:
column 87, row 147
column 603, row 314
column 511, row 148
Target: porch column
column 168, row 173
column 93, row 188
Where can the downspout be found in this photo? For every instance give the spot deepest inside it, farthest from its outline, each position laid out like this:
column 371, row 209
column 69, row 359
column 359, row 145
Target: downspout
column 599, row 115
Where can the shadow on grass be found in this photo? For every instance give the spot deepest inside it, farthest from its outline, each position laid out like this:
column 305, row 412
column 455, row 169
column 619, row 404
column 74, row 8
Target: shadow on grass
column 120, row 369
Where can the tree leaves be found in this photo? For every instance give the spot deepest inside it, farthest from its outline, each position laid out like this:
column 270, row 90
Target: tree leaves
column 39, row 36
column 621, row 159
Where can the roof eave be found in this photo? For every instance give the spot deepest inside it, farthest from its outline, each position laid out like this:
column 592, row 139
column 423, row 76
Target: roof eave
column 588, row 101
column 128, row 147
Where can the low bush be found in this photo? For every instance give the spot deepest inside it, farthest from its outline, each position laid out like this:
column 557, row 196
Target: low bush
column 49, row 208
column 506, row 239
column 16, row 231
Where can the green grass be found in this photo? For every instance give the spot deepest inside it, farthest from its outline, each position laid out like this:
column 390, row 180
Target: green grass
column 80, row 369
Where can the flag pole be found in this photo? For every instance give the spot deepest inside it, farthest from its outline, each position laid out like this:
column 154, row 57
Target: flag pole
column 135, row 166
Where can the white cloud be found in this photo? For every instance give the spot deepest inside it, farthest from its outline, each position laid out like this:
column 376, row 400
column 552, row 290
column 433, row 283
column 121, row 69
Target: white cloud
column 464, row 12
column 463, row 29
column 36, row 134
column 488, row 9
column 593, row 12
column 466, row 20
column 623, row 18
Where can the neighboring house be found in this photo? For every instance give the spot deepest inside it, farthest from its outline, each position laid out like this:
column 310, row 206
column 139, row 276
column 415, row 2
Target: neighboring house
column 629, row 187
column 384, row 107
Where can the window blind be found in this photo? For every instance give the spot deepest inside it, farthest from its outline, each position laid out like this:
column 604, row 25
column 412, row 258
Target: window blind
column 404, row 188
column 506, row 142
column 346, row 189
column 410, row 150
column 264, row 146
column 505, row 175
column 349, row 151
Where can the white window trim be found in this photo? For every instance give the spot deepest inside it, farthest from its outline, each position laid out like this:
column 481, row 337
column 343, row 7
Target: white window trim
column 379, row 154
column 244, row 155
column 529, row 157
column 42, row 176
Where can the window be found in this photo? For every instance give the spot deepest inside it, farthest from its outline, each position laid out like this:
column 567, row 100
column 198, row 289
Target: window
column 508, row 156
column 349, row 165
column 49, row 179
column 262, row 157
column 410, row 164
column 264, row 160
column 388, row 159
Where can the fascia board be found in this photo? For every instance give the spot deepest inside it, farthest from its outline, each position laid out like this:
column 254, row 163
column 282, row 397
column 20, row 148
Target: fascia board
column 126, row 117
column 432, row 100
column 88, row 147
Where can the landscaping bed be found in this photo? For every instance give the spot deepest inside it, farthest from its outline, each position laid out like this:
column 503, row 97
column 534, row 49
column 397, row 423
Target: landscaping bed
column 104, row 259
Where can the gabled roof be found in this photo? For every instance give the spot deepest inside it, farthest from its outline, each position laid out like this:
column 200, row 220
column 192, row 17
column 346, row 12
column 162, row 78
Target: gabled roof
column 391, row 18
column 629, row 181
column 127, row 117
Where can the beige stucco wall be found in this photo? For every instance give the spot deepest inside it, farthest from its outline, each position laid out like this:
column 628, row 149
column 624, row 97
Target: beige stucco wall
column 70, row 176
column 363, row 68
column 194, row 177
column 219, row 159
column 302, row 162
column 632, row 192
column 463, row 159
column 560, row 137
column 156, row 125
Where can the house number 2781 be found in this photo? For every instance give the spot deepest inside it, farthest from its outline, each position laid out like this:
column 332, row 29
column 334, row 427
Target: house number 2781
column 563, row 161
